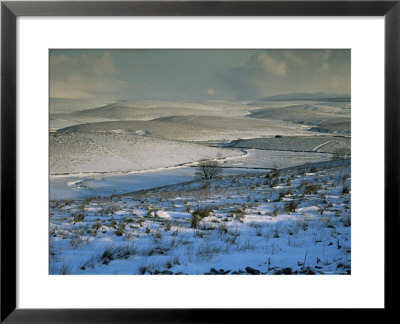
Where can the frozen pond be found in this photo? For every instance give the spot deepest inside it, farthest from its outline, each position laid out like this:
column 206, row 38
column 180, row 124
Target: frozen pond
column 93, row 186
column 84, row 186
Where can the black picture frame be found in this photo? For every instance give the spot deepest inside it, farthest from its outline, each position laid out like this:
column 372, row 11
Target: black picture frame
column 10, row 10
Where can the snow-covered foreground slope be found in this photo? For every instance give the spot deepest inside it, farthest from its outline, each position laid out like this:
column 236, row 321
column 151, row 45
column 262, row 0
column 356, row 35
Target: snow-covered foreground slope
column 294, row 221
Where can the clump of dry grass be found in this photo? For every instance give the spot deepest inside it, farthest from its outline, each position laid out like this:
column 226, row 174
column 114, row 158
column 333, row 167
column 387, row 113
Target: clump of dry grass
column 312, row 189
column 239, row 214
column 198, row 215
column 78, row 217
column 291, row 207
column 120, row 230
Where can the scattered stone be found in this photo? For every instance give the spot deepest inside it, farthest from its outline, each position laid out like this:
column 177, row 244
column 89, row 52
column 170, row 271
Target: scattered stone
column 219, row 272
column 156, row 272
column 287, row 271
column 308, row 271
column 167, row 272
column 252, row 271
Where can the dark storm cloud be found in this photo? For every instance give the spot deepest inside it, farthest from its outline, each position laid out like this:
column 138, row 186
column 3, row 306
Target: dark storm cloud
column 274, row 72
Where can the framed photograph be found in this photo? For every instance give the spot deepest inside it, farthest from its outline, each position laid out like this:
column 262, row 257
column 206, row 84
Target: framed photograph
column 164, row 159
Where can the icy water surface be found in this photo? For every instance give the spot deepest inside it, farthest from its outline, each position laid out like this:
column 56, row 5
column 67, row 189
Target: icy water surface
column 84, row 186
column 93, row 186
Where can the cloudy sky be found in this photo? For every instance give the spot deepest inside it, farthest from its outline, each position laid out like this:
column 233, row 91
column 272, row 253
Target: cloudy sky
column 196, row 74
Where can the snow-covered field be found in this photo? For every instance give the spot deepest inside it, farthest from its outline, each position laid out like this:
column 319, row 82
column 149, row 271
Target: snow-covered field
column 292, row 221
column 73, row 153
column 124, row 198
column 321, row 143
column 324, row 117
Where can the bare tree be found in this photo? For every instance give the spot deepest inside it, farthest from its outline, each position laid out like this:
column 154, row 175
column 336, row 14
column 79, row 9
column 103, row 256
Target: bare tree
column 208, row 169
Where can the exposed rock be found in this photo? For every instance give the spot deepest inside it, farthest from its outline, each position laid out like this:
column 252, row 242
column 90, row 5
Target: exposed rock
column 219, row 272
column 252, row 271
column 308, row 271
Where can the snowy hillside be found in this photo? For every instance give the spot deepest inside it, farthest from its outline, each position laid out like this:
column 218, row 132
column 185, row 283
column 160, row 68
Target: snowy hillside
column 325, row 143
column 293, row 221
column 67, row 112
column 194, row 128
column 125, row 199
column 76, row 152
column 325, row 118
